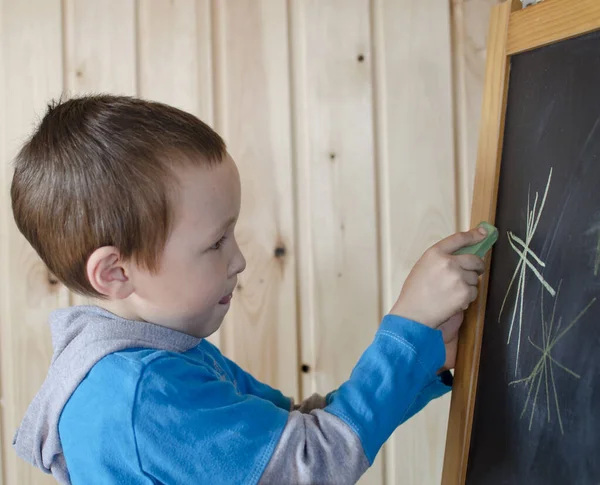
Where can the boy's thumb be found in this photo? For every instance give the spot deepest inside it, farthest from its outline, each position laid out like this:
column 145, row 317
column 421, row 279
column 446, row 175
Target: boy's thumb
column 461, row 239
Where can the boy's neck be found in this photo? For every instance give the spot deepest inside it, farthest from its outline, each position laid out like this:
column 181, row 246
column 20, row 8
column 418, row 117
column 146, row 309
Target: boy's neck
column 117, row 307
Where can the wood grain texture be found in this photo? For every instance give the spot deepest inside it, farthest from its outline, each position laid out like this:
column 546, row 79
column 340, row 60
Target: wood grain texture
column 416, row 185
column 100, row 46
column 175, row 54
column 4, row 201
column 174, row 59
column 550, row 21
column 30, row 42
column 346, row 161
column 332, row 68
column 253, row 114
column 470, row 21
column 484, row 208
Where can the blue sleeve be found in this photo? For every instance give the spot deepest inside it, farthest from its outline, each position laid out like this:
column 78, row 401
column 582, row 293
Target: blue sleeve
column 250, row 385
column 437, row 388
column 211, row 432
column 396, row 376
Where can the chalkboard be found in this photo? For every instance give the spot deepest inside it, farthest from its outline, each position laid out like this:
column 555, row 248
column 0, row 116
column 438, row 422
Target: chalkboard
column 537, row 408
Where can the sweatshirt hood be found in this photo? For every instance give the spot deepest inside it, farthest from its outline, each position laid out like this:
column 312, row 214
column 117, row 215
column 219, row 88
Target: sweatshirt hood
column 81, row 336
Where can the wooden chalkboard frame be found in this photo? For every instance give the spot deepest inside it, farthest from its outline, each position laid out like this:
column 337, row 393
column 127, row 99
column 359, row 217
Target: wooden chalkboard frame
column 512, row 30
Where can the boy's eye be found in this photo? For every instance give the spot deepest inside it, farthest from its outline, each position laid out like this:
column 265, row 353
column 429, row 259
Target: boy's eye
column 218, row 244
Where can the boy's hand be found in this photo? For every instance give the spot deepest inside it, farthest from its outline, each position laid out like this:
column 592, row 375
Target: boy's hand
column 441, row 284
column 450, row 330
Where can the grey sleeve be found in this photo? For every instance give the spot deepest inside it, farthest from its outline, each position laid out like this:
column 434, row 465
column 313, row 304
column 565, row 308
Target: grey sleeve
column 316, row 401
column 316, row 448
column 337, row 444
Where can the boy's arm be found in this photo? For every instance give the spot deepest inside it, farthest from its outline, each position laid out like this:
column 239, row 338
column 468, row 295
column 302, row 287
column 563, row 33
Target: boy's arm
column 395, row 377
column 317, row 401
column 250, row 385
column 253, row 386
column 441, row 283
column 212, row 432
column 437, row 388
column 186, row 434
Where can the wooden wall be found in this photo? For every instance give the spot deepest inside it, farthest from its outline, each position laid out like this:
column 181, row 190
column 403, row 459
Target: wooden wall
column 354, row 124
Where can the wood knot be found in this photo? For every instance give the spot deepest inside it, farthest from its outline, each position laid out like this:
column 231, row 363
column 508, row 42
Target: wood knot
column 305, row 368
column 52, row 280
column 360, row 58
column 279, row 252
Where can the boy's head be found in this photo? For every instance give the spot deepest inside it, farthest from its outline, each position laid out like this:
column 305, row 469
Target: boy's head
column 134, row 202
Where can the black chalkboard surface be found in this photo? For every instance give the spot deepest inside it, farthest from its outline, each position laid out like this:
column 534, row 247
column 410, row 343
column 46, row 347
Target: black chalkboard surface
column 537, row 411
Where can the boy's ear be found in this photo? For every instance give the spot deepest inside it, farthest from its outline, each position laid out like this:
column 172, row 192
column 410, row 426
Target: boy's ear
column 107, row 273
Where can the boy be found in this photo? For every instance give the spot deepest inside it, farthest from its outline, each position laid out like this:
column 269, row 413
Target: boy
column 135, row 203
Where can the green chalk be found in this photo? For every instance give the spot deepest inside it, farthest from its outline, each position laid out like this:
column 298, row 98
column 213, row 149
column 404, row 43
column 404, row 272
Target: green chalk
column 481, row 248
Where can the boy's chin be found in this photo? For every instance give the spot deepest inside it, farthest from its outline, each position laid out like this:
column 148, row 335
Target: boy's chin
column 206, row 329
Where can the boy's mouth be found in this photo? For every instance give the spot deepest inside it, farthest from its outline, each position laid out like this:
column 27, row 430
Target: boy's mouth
column 226, row 299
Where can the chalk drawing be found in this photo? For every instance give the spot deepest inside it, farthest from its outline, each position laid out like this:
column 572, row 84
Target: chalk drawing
column 544, row 368
column 527, row 259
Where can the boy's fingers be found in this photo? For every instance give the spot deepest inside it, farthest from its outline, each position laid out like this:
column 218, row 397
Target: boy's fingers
column 472, row 295
column 450, row 327
column 469, row 296
column 454, row 321
column 471, row 278
column 461, row 239
column 470, row 262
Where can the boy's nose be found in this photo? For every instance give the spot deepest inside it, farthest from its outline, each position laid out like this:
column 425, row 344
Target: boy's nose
column 238, row 264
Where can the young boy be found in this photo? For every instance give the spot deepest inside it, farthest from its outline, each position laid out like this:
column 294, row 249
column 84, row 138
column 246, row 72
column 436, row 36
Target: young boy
column 135, row 203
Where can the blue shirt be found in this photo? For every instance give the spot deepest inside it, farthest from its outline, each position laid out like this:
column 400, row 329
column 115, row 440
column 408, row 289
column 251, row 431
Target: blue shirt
column 145, row 416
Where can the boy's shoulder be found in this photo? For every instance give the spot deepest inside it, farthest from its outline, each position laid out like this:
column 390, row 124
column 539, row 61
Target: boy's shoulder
column 118, row 378
column 137, row 363
column 122, row 381
column 122, row 390
column 140, row 358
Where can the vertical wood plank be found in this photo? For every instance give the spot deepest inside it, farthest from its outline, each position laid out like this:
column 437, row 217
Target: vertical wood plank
column 174, row 54
column 100, row 46
column 175, row 59
column 100, row 53
column 31, row 70
column 416, row 184
column 336, row 190
column 4, row 201
column 470, row 21
column 253, row 114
